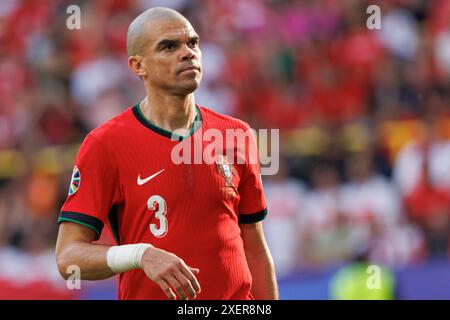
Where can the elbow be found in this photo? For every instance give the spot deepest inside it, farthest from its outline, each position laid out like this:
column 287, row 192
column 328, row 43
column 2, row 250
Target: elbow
column 64, row 265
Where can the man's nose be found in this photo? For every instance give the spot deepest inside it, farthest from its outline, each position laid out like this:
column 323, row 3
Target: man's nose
column 187, row 53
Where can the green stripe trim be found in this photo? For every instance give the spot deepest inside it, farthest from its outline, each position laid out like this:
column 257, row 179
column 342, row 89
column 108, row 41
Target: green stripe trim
column 83, row 219
column 140, row 117
column 79, row 222
column 154, row 125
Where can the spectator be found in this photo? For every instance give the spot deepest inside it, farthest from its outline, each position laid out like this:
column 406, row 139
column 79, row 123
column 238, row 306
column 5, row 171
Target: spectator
column 285, row 199
column 323, row 236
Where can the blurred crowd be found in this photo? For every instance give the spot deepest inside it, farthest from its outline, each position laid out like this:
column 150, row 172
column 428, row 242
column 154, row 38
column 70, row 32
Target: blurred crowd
column 364, row 117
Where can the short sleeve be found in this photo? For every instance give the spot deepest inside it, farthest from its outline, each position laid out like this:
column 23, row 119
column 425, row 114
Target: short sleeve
column 252, row 205
column 93, row 187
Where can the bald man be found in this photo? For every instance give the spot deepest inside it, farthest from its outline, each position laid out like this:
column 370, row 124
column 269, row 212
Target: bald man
column 183, row 230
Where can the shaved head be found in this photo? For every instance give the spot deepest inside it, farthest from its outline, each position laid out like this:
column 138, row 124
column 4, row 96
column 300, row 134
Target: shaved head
column 137, row 34
column 163, row 50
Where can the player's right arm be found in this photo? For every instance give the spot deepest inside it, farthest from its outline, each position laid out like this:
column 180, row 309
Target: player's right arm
column 74, row 247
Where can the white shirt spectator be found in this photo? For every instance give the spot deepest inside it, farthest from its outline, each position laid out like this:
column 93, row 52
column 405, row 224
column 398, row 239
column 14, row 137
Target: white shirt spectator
column 322, row 240
column 92, row 78
column 284, row 200
column 398, row 246
column 409, row 162
column 373, row 200
column 399, row 33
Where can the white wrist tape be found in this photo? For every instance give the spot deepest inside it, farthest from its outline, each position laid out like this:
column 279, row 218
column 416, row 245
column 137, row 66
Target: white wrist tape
column 126, row 257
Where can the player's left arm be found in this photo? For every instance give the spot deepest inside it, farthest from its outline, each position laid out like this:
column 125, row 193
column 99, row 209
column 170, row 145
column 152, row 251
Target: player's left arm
column 259, row 261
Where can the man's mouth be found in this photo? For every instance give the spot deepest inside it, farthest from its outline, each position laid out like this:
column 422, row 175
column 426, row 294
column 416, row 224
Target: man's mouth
column 189, row 68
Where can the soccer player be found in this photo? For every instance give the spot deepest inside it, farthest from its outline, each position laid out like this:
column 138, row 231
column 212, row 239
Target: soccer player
column 183, row 230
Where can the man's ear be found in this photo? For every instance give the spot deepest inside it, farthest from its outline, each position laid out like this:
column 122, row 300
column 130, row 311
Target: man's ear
column 135, row 64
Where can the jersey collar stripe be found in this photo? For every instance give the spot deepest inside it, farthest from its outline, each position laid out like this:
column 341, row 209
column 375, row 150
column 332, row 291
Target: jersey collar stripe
column 144, row 121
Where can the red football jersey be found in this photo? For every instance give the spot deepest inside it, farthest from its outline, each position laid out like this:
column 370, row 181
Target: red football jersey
column 125, row 177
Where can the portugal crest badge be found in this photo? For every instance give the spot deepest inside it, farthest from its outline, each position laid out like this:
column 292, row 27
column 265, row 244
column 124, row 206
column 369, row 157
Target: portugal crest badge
column 75, row 182
column 226, row 170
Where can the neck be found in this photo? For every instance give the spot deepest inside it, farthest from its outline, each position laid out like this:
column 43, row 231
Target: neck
column 169, row 112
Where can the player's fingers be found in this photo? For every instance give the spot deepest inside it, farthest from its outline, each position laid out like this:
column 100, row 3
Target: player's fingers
column 192, row 278
column 175, row 284
column 167, row 290
column 186, row 283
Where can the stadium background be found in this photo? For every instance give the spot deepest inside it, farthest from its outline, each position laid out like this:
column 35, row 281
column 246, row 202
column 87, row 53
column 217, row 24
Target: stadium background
column 364, row 118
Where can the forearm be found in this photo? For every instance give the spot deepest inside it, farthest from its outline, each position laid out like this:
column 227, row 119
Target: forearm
column 263, row 272
column 90, row 258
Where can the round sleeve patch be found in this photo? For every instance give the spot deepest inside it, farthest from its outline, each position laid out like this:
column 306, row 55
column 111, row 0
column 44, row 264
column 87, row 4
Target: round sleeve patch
column 75, row 181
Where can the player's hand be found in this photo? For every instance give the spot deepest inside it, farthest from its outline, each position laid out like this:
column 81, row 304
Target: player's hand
column 170, row 273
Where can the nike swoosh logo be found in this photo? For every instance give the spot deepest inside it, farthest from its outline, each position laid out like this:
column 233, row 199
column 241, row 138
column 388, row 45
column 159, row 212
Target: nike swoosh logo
column 140, row 181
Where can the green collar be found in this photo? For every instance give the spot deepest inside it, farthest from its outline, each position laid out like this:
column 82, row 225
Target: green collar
column 140, row 117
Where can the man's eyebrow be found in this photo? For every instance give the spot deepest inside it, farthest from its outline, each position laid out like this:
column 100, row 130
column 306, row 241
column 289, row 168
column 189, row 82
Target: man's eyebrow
column 166, row 42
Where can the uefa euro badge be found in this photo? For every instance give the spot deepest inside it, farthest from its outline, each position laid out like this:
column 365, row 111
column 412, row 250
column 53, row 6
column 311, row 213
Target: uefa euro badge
column 225, row 169
column 75, row 182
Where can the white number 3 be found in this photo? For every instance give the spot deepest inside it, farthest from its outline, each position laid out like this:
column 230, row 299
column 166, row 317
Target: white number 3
column 162, row 209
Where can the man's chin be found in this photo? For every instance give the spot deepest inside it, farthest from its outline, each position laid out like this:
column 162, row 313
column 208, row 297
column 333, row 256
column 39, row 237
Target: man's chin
column 188, row 88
